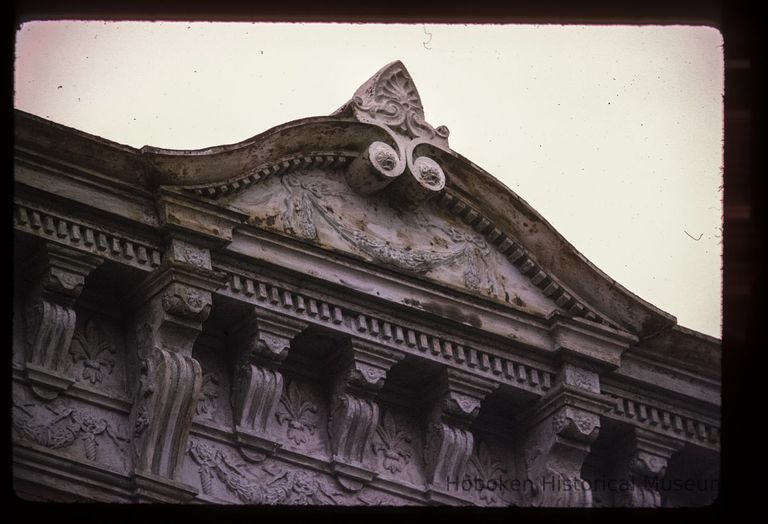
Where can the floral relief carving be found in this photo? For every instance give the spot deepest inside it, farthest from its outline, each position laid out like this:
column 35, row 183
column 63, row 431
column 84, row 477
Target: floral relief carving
column 285, row 487
column 213, row 463
column 186, row 301
column 304, row 201
column 392, row 99
column 90, row 348
column 194, row 256
column 393, row 444
column 297, row 488
column 209, row 396
column 297, row 414
column 64, row 427
column 488, row 469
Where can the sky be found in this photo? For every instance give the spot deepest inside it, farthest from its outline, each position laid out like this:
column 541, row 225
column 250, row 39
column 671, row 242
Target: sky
column 612, row 133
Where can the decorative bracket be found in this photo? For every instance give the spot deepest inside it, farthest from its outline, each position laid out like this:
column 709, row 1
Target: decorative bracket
column 644, row 462
column 389, row 100
column 456, row 401
column 58, row 277
column 560, row 430
column 172, row 304
column 263, row 339
column 361, row 371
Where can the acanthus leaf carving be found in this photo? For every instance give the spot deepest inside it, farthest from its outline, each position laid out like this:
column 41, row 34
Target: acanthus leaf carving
column 90, row 348
column 390, row 98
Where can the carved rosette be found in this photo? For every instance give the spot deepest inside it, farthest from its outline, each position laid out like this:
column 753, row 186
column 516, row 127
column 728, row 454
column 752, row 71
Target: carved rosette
column 58, row 276
column 354, row 416
column 390, row 101
column 449, row 442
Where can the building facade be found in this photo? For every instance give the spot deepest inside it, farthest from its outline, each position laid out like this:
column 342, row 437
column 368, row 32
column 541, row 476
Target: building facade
column 339, row 311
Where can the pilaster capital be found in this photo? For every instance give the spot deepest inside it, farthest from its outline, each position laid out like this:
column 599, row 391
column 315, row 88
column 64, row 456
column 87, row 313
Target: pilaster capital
column 362, row 366
column 648, row 452
column 264, row 337
column 456, row 396
column 58, row 274
column 642, row 457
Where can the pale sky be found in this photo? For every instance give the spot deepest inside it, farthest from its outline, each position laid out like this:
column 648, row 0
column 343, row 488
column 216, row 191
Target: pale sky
column 612, row 133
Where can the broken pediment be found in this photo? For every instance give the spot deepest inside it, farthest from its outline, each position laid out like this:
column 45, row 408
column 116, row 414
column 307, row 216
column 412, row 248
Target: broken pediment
column 376, row 181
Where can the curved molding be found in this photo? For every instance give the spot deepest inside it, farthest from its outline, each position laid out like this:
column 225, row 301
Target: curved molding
column 475, row 196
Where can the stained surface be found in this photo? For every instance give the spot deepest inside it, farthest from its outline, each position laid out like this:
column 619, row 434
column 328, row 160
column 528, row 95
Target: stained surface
column 318, row 207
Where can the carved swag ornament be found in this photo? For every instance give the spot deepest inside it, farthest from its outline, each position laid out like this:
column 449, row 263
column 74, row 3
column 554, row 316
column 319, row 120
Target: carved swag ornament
column 272, row 486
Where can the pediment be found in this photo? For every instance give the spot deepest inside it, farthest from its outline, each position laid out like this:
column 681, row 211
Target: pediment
column 376, row 182
column 317, row 206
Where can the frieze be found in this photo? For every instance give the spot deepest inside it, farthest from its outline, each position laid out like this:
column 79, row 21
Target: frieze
column 61, row 426
column 269, row 485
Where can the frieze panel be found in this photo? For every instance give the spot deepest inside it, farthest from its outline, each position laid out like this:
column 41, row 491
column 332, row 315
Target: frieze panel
column 224, row 477
column 397, row 448
column 81, row 431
